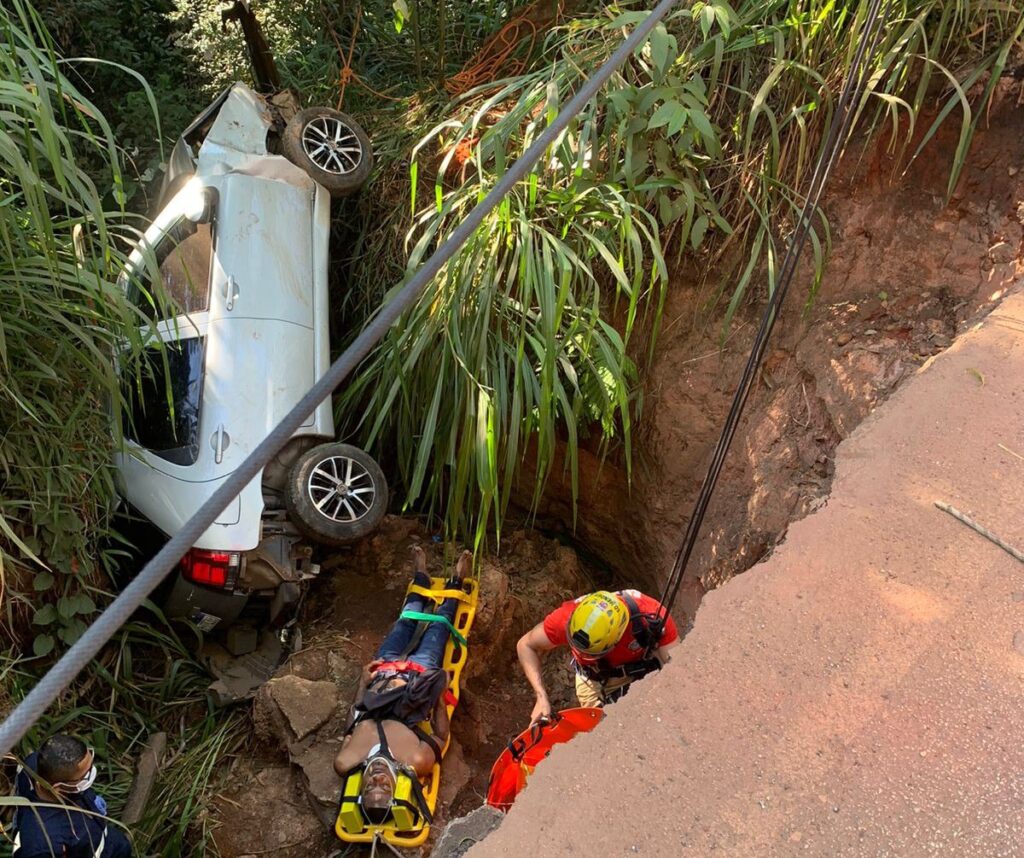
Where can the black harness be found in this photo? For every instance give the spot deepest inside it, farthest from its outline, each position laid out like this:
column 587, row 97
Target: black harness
column 647, row 630
column 395, row 705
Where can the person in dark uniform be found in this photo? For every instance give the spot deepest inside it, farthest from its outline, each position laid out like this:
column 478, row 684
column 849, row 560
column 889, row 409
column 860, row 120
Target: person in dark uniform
column 61, row 774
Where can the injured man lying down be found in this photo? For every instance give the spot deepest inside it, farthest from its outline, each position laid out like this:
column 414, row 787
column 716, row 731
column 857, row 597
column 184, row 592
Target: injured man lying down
column 401, row 688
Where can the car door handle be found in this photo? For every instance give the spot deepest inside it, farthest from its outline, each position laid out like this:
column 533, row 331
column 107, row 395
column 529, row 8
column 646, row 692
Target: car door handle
column 230, row 293
column 220, row 442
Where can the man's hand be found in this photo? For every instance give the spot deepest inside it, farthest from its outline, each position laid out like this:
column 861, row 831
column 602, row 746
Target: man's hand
column 529, row 649
column 541, row 709
column 368, row 669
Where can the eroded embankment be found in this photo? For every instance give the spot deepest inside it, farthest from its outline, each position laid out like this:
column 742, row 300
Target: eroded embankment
column 856, row 694
column 907, row 273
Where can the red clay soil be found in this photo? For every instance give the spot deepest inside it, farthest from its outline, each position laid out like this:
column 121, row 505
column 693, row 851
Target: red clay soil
column 907, row 273
column 859, row 692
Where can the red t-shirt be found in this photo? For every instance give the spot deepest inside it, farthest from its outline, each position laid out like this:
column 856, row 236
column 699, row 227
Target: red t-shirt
column 627, row 649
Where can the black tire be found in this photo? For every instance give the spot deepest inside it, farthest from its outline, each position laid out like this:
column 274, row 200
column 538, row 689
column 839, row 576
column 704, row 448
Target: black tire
column 342, row 517
column 341, row 169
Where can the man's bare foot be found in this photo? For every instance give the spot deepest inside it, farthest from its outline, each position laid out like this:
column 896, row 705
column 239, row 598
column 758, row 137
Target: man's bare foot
column 419, row 560
column 464, row 567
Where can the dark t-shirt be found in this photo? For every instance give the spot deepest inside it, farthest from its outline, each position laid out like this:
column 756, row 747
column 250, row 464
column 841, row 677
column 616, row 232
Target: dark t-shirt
column 65, row 832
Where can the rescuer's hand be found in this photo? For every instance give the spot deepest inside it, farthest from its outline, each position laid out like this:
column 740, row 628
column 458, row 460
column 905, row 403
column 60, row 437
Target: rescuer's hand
column 541, row 709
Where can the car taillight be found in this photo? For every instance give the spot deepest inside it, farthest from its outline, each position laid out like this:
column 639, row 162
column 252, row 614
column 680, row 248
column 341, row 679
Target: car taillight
column 211, row 568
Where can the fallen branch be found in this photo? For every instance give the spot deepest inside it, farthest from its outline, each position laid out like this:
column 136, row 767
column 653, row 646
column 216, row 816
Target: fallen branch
column 149, row 762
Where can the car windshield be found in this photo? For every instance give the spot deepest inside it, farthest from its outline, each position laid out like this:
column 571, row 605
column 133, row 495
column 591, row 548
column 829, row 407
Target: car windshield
column 163, row 406
column 183, row 257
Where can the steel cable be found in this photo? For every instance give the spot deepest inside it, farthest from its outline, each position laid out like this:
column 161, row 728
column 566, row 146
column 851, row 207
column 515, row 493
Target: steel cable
column 839, row 127
column 58, row 677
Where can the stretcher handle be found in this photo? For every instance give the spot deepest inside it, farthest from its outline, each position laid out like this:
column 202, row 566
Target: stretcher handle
column 518, row 747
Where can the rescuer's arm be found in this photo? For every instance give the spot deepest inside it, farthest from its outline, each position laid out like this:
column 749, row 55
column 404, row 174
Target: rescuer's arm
column 664, row 654
column 530, row 649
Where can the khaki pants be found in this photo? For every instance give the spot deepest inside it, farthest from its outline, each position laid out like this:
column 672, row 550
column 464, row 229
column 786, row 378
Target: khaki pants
column 594, row 694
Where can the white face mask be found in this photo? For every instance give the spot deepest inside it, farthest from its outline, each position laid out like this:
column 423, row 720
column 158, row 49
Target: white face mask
column 79, row 786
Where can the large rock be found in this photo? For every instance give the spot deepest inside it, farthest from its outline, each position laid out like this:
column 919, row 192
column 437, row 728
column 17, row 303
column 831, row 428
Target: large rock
column 466, row 831
column 323, row 786
column 317, row 764
column 290, row 708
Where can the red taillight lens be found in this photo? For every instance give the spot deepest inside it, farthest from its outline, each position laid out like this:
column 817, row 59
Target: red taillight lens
column 211, row 568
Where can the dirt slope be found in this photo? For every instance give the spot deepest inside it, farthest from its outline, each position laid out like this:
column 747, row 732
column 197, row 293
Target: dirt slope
column 908, row 272
column 859, row 692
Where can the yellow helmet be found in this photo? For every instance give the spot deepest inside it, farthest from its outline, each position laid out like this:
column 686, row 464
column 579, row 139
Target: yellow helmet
column 597, row 623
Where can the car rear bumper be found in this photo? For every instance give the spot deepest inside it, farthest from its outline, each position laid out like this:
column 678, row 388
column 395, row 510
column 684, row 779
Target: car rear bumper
column 207, row 608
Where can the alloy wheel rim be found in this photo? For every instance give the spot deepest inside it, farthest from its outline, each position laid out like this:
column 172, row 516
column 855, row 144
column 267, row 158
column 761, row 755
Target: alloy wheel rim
column 332, row 145
column 341, row 489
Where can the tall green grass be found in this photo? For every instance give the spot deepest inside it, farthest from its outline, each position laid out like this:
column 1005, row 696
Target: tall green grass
column 62, row 318
column 696, row 150
column 146, row 681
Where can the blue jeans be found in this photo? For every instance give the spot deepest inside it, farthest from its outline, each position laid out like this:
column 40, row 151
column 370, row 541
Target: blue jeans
column 430, row 650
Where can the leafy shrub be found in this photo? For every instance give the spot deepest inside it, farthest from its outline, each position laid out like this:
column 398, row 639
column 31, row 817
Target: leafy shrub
column 701, row 143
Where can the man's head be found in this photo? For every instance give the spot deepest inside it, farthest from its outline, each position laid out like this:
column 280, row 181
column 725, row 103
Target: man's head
column 66, row 764
column 378, row 789
column 597, row 624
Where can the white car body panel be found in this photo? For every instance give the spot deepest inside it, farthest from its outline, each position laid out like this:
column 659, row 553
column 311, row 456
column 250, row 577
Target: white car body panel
column 266, row 327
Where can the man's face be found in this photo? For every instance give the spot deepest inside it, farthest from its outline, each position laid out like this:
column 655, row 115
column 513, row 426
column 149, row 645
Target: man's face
column 378, row 785
column 81, row 777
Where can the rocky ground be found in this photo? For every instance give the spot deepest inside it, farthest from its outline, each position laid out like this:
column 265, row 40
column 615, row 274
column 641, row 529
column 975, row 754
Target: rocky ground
column 298, row 717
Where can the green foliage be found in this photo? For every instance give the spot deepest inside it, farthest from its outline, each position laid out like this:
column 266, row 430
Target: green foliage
column 399, row 50
column 61, row 319
column 101, row 40
column 144, row 682
column 701, row 143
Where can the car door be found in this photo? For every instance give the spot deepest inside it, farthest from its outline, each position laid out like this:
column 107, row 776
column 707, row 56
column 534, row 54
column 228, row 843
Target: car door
column 167, row 468
column 264, row 261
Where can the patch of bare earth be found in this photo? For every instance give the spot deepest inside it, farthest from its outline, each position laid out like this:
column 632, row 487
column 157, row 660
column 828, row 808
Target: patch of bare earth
column 283, row 795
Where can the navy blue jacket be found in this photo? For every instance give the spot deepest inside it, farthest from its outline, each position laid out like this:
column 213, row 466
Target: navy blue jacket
column 64, row 832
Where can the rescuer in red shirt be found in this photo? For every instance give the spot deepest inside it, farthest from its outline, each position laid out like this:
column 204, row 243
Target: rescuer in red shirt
column 614, row 638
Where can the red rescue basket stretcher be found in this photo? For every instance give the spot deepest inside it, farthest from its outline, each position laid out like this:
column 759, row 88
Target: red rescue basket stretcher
column 525, row 752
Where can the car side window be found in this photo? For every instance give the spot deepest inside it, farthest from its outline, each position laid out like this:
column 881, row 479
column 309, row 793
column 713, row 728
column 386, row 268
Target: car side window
column 163, row 401
column 183, row 258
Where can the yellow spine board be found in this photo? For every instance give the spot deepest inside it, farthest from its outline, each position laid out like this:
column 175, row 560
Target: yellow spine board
column 350, row 825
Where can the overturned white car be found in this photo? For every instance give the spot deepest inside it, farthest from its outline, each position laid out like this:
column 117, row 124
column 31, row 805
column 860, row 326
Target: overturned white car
column 242, row 249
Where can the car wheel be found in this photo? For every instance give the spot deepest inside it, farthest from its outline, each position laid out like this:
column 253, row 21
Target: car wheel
column 336, row 493
column 331, row 147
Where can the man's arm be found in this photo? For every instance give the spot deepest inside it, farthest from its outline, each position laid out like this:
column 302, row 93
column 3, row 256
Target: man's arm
column 346, row 760
column 117, row 843
column 530, row 649
column 664, row 653
column 425, row 757
column 364, row 681
column 440, row 722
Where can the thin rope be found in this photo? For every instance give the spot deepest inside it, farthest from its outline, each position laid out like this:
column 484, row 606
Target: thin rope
column 838, row 130
column 1015, row 553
